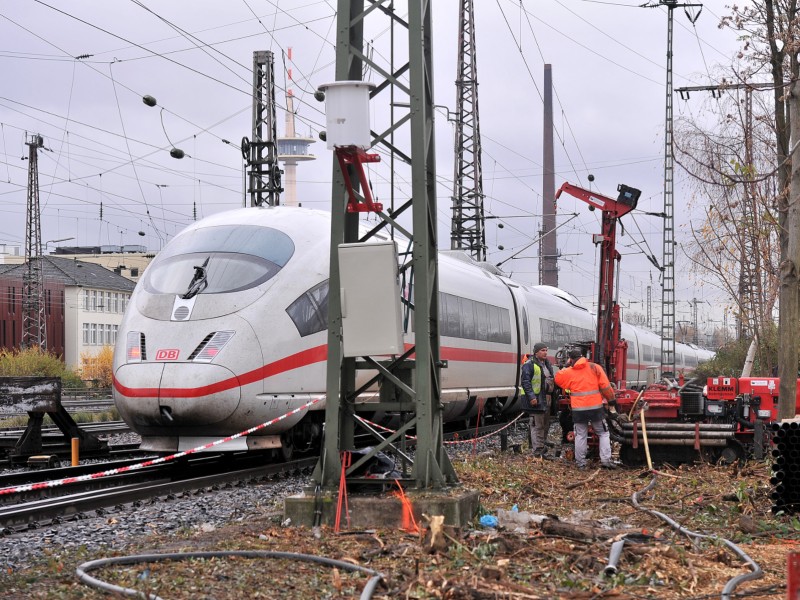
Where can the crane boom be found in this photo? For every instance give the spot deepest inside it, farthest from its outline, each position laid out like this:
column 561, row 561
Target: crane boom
column 610, row 349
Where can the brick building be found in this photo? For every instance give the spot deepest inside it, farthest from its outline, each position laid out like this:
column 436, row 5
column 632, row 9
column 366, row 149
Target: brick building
column 83, row 302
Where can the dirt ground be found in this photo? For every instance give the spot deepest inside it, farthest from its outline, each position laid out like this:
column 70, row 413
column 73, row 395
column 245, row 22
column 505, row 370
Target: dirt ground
column 565, row 521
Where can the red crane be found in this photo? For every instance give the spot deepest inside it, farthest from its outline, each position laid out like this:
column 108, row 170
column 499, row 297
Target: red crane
column 609, row 349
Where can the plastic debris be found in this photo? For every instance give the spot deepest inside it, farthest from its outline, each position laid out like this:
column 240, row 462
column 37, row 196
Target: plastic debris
column 488, row 521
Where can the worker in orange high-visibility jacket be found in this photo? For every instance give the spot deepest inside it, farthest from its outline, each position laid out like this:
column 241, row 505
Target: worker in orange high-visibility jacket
column 589, row 390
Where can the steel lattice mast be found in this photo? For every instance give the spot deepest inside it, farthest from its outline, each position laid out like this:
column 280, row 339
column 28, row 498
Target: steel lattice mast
column 261, row 153
column 34, row 323
column 668, row 264
column 668, row 260
column 468, row 227
column 410, row 387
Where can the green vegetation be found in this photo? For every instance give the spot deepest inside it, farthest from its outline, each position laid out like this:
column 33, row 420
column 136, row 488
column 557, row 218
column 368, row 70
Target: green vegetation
column 730, row 358
column 33, row 362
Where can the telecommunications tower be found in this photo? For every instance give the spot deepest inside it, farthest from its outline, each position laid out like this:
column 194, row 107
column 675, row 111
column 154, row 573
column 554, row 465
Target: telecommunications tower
column 292, row 148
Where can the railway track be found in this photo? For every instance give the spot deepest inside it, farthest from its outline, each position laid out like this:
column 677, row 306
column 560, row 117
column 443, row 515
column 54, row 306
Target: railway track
column 85, row 405
column 44, row 504
column 96, row 428
column 29, row 510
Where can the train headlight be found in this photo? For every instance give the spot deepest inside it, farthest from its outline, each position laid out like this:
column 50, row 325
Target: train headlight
column 134, row 347
column 211, row 346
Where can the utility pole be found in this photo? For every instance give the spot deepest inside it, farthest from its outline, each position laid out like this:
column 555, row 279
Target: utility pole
column 468, row 226
column 668, row 261
column 409, row 388
column 261, row 153
column 34, row 321
column 548, row 248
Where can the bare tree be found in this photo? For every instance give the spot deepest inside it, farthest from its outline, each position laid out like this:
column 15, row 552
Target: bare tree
column 772, row 42
column 770, row 32
column 734, row 176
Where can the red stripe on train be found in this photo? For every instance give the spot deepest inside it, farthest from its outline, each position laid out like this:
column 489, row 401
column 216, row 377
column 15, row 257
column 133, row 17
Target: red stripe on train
column 295, row 361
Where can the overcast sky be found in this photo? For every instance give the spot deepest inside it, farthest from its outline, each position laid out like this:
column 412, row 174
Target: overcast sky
column 75, row 73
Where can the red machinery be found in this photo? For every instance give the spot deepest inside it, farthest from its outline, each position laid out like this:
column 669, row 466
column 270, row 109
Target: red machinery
column 726, row 421
column 608, row 350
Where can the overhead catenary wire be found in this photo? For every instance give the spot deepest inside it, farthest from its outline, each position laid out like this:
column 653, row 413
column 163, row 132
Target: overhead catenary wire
column 383, row 178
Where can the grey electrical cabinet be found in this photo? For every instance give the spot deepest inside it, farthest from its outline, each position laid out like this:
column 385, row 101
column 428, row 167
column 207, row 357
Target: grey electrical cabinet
column 370, row 293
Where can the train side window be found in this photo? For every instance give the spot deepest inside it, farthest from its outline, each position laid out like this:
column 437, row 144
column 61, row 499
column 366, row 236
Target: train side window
column 309, row 312
column 482, row 320
column 495, row 324
column 647, row 353
column 468, row 318
column 631, row 350
column 452, row 322
column 525, row 335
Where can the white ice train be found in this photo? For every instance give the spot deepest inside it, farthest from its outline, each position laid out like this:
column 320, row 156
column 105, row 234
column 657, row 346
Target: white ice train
column 228, row 329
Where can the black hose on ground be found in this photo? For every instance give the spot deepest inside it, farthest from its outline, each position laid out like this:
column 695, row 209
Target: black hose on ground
column 732, row 583
column 83, row 569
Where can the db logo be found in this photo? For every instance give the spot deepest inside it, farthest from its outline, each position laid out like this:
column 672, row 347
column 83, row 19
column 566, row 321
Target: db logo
column 170, row 354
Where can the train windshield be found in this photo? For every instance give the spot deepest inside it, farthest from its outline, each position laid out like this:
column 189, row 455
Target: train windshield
column 231, row 258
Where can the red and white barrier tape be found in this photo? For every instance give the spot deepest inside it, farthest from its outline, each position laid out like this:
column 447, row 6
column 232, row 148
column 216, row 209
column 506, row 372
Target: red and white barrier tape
column 155, row 461
column 470, row 440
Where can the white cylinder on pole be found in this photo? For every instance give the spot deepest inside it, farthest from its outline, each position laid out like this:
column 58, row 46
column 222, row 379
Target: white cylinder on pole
column 347, row 113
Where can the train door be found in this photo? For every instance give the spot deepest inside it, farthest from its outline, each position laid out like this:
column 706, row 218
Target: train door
column 635, row 379
column 523, row 329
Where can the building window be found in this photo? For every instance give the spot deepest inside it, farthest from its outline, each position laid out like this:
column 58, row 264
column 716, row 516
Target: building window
column 93, row 334
column 85, row 334
column 94, row 301
column 114, row 331
column 85, row 299
column 115, row 302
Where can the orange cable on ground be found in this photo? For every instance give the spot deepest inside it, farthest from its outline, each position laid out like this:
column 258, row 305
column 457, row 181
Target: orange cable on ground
column 409, row 522
column 346, row 459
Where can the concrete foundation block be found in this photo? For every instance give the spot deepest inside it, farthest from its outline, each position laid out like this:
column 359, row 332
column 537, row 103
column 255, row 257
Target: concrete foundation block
column 374, row 511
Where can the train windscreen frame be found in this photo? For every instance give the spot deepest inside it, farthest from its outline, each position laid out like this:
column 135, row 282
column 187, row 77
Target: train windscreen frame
column 231, row 258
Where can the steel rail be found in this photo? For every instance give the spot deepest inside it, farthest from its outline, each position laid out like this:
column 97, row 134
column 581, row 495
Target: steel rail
column 29, row 514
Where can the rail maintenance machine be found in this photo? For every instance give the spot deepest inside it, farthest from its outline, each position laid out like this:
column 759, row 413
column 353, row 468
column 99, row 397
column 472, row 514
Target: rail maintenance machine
column 719, row 419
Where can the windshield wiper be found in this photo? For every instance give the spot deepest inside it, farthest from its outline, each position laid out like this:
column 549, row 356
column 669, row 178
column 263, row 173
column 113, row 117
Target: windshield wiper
column 199, row 282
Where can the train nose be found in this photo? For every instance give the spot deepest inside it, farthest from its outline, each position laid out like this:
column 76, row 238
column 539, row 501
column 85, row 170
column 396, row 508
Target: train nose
column 187, row 394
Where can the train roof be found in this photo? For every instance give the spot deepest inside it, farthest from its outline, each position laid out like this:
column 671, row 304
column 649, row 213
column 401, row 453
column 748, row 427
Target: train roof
column 462, row 256
column 559, row 293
